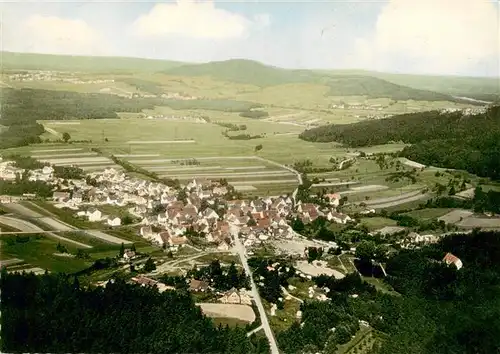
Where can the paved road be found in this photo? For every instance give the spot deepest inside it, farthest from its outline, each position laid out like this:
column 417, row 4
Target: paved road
column 299, row 176
column 341, row 164
column 400, row 201
column 28, row 227
column 263, row 316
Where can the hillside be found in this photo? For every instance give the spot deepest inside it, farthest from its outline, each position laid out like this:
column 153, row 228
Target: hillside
column 350, row 83
column 341, row 82
column 361, row 85
column 33, row 61
column 481, row 88
column 449, row 140
column 245, row 72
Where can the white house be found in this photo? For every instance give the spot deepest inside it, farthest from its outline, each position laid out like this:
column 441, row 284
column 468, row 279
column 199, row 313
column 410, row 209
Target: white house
column 94, row 215
column 114, row 221
column 77, row 197
column 47, row 170
column 338, row 218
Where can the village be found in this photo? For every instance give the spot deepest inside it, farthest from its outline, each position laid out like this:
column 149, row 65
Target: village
column 205, row 217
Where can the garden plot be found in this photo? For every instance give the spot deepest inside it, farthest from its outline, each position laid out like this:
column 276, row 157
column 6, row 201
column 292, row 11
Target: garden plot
column 75, row 155
column 270, row 181
column 162, row 142
column 64, row 123
column 245, row 188
column 55, row 150
column 317, row 268
column 137, row 155
column 455, row 216
column 482, row 222
column 76, row 160
column 368, row 188
column 270, row 173
column 95, row 168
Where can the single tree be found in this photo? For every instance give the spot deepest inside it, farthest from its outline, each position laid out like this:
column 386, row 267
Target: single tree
column 66, row 137
column 149, row 266
column 122, row 250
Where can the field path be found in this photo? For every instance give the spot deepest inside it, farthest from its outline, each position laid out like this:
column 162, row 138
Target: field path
column 28, row 227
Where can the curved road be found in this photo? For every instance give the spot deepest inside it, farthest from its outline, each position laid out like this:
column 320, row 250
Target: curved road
column 255, row 293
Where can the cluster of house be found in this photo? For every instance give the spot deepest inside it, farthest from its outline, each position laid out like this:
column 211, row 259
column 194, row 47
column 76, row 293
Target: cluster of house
column 8, row 171
column 55, row 76
column 233, row 296
column 469, row 111
column 308, row 212
column 358, row 106
column 178, row 118
column 164, row 219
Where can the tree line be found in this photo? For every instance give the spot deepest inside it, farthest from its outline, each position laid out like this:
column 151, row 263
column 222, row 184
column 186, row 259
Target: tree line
column 449, row 140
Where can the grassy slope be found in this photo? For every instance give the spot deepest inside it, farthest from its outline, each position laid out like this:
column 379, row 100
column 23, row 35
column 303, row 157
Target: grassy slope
column 342, row 83
column 453, row 85
column 244, row 71
column 32, row 61
column 349, row 83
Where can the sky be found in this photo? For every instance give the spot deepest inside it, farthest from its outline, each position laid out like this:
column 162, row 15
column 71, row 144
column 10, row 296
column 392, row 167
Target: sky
column 444, row 37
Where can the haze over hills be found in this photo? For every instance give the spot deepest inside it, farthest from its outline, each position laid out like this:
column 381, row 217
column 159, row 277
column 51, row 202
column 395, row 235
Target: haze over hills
column 97, row 64
column 341, row 82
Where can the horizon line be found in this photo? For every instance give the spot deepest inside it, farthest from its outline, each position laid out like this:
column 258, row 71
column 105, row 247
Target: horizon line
column 247, row 59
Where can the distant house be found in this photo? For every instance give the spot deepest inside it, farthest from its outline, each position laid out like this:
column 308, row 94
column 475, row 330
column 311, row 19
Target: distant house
column 60, row 196
column 234, row 296
column 128, row 255
column 220, row 190
column 333, row 199
column 198, row 285
column 94, row 215
column 210, row 214
column 77, row 197
column 47, row 170
column 114, row 221
column 177, row 242
column 452, row 259
column 223, row 246
column 338, row 217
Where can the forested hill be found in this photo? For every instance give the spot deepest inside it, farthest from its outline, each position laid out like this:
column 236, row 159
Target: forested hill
column 341, row 83
column 450, row 140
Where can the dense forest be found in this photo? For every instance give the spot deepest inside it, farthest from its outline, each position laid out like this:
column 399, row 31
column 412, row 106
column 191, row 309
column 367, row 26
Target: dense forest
column 436, row 309
column 449, row 140
column 54, row 314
